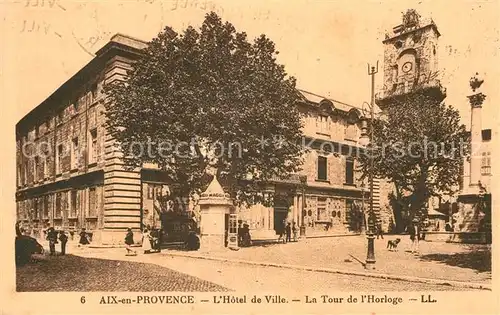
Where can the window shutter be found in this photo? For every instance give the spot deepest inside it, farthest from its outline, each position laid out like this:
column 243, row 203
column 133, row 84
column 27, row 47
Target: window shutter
column 349, row 171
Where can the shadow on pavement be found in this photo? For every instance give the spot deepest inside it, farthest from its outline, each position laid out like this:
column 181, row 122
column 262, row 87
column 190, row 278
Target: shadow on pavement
column 267, row 243
column 75, row 273
column 475, row 258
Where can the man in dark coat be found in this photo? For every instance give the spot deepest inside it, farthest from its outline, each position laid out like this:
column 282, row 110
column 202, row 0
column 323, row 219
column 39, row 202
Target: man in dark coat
column 288, row 232
column 64, row 239
column 52, row 238
column 414, row 231
column 380, row 232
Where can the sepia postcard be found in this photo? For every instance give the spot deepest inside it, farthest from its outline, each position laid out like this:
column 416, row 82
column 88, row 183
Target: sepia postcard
column 249, row 157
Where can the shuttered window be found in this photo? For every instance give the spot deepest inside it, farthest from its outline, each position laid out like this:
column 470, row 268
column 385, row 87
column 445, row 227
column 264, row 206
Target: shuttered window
column 322, row 168
column 58, row 205
column 92, row 202
column 73, row 206
column 349, row 171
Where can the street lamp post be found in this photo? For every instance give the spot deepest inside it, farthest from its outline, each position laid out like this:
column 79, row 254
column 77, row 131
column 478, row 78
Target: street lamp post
column 363, row 218
column 370, row 256
column 303, row 181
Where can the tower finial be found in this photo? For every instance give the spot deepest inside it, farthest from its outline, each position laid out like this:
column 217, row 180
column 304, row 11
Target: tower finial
column 411, row 19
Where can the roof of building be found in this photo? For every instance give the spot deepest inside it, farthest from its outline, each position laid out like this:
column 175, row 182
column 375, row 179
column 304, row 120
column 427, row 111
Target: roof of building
column 318, row 99
column 214, row 187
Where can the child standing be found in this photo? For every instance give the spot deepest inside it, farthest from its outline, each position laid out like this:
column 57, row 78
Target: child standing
column 146, row 241
column 129, row 240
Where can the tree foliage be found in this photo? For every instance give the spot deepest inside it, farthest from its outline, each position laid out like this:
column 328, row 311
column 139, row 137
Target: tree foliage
column 419, row 145
column 209, row 99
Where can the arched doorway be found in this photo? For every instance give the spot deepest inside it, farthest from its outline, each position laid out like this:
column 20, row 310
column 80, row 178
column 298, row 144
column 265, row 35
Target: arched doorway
column 281, row 208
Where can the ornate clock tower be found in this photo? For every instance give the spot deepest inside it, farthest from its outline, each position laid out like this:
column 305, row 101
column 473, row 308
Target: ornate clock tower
column 410, row 60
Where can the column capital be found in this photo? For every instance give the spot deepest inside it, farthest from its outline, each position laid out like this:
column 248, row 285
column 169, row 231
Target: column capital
column 476, row 100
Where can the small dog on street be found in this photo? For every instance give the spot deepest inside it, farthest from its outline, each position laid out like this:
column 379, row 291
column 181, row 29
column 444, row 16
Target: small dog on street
column 393, row 244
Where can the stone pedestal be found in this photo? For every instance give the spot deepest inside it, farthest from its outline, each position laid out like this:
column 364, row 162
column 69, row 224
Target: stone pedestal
column 469, row 214
column 214, row 205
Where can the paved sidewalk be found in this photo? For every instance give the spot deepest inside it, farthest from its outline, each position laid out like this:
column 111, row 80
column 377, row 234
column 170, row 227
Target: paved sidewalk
column 443, row 262
column 459, row 265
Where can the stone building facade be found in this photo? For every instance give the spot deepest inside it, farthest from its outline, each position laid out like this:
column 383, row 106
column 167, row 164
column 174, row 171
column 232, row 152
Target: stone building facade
column 70, row 174
column 333, row 194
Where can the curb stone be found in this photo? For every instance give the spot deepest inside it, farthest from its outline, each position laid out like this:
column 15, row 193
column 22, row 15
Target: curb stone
column 459, row 284
column 110, row 246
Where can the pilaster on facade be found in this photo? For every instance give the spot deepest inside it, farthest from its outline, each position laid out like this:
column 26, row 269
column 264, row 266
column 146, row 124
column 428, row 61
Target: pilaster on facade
column 122, row 195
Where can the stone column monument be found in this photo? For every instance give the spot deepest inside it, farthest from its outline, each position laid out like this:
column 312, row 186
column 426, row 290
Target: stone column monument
column 476, row 102
column 469, row 199
column 214, row 205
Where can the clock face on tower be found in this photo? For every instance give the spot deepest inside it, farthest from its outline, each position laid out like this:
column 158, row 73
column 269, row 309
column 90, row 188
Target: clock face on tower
column 407, row 66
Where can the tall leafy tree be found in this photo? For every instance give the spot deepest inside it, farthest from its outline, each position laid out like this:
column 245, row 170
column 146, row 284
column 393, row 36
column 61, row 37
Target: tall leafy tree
column 208, row 99
column 419, row 145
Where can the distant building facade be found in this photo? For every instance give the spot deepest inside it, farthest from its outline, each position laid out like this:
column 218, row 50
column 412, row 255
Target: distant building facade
column 70, row 174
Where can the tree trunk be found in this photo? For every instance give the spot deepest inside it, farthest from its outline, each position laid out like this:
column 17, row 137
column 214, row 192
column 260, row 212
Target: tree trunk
column 399, row 205
column 397, row 209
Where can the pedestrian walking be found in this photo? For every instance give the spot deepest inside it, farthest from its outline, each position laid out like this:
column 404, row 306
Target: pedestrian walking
column 146, row 241
column 414, row 231
column 246, row 239
column 155, row 240
column 281, row 232
column 52, row 238
column 294, row 231
column 83, row 238
column 288, row 231
column 380, row 232
column 240, row 233
column 129, row 240
column 64, row 239
column 192, row 241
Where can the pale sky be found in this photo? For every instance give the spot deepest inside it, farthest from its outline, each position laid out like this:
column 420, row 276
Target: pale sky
column 325, row 44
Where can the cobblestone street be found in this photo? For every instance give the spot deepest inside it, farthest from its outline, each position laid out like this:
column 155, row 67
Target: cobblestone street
column 75, row 273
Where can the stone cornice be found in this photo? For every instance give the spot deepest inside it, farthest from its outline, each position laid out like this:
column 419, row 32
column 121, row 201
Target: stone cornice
column 405, row 34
